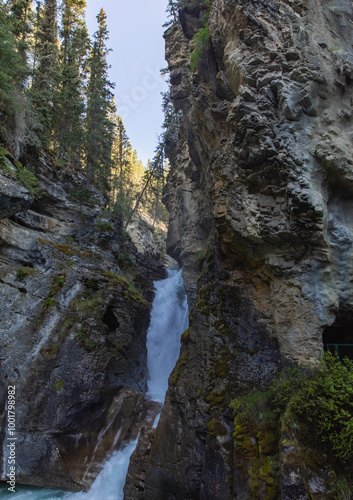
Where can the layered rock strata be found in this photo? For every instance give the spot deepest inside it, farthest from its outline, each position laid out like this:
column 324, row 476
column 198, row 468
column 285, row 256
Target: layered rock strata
column 261, row 218
column 75, row 297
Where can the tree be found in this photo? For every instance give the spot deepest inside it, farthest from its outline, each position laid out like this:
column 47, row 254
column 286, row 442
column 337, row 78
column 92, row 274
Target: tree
column 70, row 98
column 100, row 106
column 45, row 78
column 151, row 193
column 15, row 111
column 20, row 13
column 172, row 13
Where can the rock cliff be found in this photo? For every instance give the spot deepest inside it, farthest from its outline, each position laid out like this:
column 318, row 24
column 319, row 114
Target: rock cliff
column 75, row 297
column 261, row 218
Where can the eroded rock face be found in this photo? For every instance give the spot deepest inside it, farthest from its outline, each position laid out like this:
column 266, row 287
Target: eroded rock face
column 13, row 197
column 72, row 331
column 260, row 207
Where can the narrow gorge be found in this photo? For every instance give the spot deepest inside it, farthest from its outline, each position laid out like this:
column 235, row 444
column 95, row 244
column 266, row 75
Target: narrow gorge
column 260, row 201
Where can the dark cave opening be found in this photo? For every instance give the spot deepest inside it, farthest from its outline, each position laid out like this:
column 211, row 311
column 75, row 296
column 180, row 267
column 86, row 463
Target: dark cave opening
column 110, row 320
column 339, row 338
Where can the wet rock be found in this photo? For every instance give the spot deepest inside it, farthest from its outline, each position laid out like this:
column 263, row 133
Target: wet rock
column 73, row 329
column 261, row 220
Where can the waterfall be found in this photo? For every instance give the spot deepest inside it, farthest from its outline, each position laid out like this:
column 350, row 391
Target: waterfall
column 169, row 318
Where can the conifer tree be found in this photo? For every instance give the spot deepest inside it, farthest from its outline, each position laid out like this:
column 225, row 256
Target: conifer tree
column 20, row 13
column 10, row 63
column 172, row 12
column 45, row 78
column 15, row 110
column 70, row 98
column 99, row 126
column 121, row 170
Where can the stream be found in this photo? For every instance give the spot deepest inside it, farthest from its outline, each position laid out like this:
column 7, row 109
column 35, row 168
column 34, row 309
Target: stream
column 169, row 319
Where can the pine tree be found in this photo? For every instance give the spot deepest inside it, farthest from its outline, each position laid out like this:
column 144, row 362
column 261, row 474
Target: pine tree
column 99, row 126
column 15, row 111
column 121, row 171
column 172, row 13
column 20, row 13
column 153, row 182
column 10, row 62
column 70, row 98
column 45, row 78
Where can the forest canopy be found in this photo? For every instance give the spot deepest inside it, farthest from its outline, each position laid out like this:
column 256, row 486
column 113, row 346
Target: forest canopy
column 55, row 93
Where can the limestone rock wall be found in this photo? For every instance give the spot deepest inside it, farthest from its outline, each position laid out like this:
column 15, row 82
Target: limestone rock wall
column 75, row 297
column 260, row 202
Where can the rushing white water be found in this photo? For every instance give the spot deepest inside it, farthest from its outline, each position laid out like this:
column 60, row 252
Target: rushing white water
column 169, row 318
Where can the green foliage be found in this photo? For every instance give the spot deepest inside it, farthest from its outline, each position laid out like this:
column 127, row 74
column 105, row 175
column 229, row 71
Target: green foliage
column 254, row 407
column 80, row 194
column 125, row 261
column 4, row 163
column 25, row 176
column 22, row 273
column 179, row 365
column 70, row 105
column 344, row 488
column 44, row 87
column 104, row 226
column 326, row 404
column 59, row 385
column 10, row 61
column 130, row 291
column 202, row 44
column 100, row 107
column 29, row 180
column 49, row 302
column 285, row 387
column 57, row 284
column 201, row 255
column 85, row 341
column 124, row 235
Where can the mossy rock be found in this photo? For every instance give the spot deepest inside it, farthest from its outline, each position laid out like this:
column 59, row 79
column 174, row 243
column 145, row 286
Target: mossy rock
column 215, row 428
column 180, row 363
column 59, row 385
column 185, row 337
column 89, row 304
column 50, row 352
column 57, row 284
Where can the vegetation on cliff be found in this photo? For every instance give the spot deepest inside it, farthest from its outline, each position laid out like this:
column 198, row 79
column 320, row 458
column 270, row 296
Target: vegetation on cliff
column 55, row 94
column 306, row 417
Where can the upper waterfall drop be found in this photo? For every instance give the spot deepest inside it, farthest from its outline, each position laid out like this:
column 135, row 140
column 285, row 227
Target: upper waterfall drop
column 169, row 319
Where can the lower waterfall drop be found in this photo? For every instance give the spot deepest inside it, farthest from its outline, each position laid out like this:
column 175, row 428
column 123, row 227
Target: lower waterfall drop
column 169, row 319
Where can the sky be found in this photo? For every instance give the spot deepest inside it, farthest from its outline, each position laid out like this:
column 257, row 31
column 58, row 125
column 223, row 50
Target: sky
column 136, row 37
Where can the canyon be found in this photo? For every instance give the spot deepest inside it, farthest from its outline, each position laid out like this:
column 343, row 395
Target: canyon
column 259, row 196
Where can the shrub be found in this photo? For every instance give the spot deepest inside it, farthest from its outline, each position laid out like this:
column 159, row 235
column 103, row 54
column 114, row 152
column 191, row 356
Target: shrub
column 28, row 179
column 80, row 194
column 254, row 407
column 285, row 387
column 321, row 402
column 125, row 261
column 4, row 164
column 326, row 403
column 22, row 273
column 202, row 44
column 104, row 226
column 49, row 303
column 57, row 284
